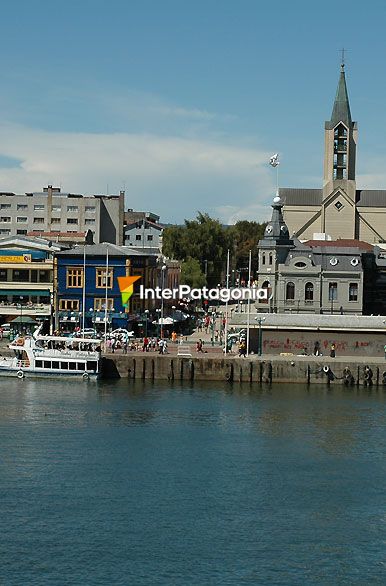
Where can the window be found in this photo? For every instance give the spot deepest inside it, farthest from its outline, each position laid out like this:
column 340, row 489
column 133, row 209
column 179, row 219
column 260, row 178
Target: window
column 21, row 219
column 127, row 237
column 150, row 237
column 309, row 292
column 290, row 291
column 101, row 279
column 5, row 231
column 55, row 220
column 64, row 365
column 89, row 221
column 39, row 206
column 5, row 218
column 99, row 304
column 22, row 206
column 72, row 208
column 68, row 304
column 44, row 277
column 3, row 274
column 56, row 208
column 138, row 237
column 332, row 291
column 55, row 364
column 91, row 365
column 39, row 363
column 72, row 220
column 21, row 232
column 74, row 278
column 263, row 259
column 20, row 275
column 270, row 259
column 90, row 209
column 47, row 363
column 5, row 206
column 353, row 292
column 38, row 220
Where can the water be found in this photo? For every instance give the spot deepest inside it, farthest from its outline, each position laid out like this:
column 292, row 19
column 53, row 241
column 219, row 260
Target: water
column 129, row 484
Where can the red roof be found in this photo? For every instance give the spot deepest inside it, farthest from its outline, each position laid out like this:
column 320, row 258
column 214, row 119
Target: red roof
column 341, row 243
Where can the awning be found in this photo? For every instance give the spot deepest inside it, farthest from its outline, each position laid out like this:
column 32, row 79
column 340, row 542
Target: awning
column 26, row 292
column 24, row 319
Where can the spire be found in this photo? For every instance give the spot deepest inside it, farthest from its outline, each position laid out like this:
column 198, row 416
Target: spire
column 277, row 229
column 341, row 110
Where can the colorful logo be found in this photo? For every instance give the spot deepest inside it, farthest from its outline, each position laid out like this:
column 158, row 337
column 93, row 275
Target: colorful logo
column 126, row 287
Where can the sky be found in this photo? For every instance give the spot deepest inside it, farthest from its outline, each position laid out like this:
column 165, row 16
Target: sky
column 181, row 104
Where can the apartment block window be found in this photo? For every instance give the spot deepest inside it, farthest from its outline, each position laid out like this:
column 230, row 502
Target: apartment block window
column 150, row 237
column 127, row 237
column 100, row 302
column 5, row 206
column 21, row 219
column 101, row 278
column 138, row 237
column 44, row 276
column 3, row 275
column 21, row 232
column 89, row 221
column 309, row 292
column 90, row 209
column 353, row 292
column 39, row 206
column 56, row 208
column 21, row 206
column 74, row 278
column 333, row 291
column 72, row 220
column 5, row 218
column 20, row 275
column 55, row 220
column 68, row 305
column 38, row 220
column 5, row 231
column 290, row 291
column 72, row 208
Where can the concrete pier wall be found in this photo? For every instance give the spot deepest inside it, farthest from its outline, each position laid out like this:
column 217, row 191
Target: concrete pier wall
column 343, row 371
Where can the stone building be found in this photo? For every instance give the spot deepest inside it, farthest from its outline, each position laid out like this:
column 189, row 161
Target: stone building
column 311, row 277
column 338, row 209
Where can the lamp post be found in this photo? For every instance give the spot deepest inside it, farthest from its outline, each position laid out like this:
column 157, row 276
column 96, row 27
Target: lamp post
column 21, row 314
column 158, row 311
column 92, row 318
column 146, row 320
column 260, row 320
column 213, row 321
column 163, row 269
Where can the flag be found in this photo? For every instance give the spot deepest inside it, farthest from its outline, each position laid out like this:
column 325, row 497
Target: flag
column 274, row 160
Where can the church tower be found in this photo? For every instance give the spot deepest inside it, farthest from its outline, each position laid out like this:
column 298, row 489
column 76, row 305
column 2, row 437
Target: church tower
column 338, row 213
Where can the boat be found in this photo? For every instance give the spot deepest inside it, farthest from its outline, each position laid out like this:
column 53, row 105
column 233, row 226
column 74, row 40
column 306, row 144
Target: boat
column 52, row 356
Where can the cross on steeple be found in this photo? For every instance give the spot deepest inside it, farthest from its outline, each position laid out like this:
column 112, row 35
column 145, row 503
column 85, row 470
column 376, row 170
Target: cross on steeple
column 342, row 62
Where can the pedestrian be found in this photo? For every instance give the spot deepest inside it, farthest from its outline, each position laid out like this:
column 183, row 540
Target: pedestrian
column 242, row 349
column 332, row 351
column 384, row 349
column 316, row 348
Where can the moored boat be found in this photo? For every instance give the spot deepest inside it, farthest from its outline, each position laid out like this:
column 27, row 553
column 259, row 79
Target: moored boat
column 52, row 356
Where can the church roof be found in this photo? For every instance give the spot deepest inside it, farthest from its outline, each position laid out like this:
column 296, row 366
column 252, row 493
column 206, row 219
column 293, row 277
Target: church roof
column 295, row 196
column 371, row 198
column 341, row 109
column 349, row 243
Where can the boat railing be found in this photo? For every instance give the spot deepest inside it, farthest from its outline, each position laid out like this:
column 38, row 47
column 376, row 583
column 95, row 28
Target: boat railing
column 23, row 364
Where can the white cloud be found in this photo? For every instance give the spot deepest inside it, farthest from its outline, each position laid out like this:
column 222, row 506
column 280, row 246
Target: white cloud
column 174, row 176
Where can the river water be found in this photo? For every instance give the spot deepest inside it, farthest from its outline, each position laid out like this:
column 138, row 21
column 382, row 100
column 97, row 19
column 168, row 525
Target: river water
column 137, row 484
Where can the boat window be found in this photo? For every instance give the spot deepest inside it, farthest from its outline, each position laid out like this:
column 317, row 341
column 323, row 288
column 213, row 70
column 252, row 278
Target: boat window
column 72, row 365
column 39, row 363
column 64, row 365
column 56, row 365
column 81, row 366
column 47, row 364
column 91, row 365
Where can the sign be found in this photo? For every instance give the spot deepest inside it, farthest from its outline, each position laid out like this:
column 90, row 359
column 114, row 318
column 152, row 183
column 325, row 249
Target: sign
column 16, row 259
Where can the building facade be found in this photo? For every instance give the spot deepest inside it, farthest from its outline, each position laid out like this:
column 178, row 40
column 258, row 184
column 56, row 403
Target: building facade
column 338, row 209
column 87, row 289
column 314, row 276
column 142, row 230
column 60, row 216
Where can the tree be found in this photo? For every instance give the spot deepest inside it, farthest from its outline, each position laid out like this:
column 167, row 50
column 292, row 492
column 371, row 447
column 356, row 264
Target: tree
column 191, row 273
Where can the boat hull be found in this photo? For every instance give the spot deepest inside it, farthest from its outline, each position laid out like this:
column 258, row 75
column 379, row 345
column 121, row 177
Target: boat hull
column 36, row 373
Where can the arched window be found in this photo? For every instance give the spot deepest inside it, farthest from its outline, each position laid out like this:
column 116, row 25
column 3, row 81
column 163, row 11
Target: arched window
column 353, row 292
column 309, row 292
column 270, row 259
column 266, row 285
column 290, row 291
column 263, row 258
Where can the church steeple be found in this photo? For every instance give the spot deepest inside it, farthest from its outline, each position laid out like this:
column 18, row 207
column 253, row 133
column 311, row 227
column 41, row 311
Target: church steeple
column 341, row 109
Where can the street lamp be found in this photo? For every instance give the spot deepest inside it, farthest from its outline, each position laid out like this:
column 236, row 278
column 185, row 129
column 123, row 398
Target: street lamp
column 158, row 311
column 21, row 314
column 146, row 320
column 260, row 320
column 92, row 318
column 163, row 269
column 213, row 320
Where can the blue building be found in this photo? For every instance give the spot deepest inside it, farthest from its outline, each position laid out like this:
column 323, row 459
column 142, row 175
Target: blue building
column 87, row 290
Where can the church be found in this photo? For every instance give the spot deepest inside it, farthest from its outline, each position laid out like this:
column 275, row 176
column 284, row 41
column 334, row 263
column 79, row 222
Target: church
column 338, row 209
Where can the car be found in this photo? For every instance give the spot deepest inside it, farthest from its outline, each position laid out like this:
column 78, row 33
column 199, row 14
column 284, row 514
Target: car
column 120, row 333
column 87, row 333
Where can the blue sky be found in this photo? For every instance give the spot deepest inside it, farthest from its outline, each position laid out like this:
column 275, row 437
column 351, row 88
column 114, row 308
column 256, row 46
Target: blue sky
column 182, row 103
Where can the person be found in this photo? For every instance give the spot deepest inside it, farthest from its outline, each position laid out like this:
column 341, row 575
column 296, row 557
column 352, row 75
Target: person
column 332, row 351
column 317, row 348
column 199, row 346
column 242, row 349
column 384, row 349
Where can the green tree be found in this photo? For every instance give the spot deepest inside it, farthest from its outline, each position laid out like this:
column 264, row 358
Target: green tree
column 191, row 273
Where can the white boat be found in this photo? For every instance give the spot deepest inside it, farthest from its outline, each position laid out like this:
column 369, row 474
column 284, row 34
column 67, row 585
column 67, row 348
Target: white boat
column 53, row 356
